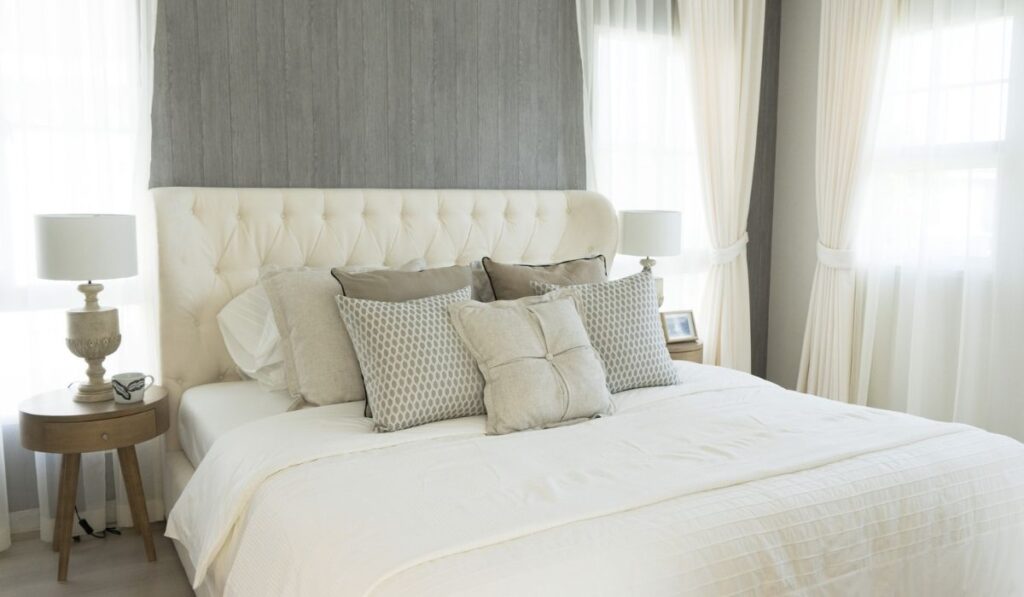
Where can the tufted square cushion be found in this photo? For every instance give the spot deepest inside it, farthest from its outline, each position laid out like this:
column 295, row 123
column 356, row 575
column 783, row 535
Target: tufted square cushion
column 511, row 282
column 621, row 318
column 415, row 368
column 391, row 285
column 538, row 365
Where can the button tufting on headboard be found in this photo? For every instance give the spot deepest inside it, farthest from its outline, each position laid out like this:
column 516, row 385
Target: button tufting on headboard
column 213, row 242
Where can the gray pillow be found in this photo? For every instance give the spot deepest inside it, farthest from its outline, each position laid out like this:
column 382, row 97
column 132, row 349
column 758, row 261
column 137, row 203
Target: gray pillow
column 392, row 285
column 539, row 367
column 319, row 363
column 415, row 368
column 511, row 282
column 621, row 318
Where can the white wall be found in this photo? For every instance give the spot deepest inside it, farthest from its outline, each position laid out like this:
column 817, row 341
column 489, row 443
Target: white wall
column 794, row 231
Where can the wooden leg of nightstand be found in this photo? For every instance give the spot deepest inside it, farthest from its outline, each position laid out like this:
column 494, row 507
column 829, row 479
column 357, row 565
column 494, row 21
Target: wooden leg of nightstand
column 136, row 497
column 69, row 466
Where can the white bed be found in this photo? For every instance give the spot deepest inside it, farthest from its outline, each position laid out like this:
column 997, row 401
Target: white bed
column 209, row 411
column 723, row 484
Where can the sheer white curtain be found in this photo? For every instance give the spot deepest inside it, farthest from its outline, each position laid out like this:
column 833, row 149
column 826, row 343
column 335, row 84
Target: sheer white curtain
column 854, row 42
column 942, row 243
column 75, row 89
column 726, row 39
column 641, row 147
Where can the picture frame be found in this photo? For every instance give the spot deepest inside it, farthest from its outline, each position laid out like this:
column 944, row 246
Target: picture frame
column 679, row 326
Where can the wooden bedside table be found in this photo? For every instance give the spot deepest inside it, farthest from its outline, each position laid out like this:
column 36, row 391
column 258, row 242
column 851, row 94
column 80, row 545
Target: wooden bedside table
column 55, row 423
column 686, row 351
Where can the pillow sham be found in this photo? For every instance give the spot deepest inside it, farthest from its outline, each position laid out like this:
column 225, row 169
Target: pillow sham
column 320, row 366
column 415, row 368
column 510, row 282
column 393, row 286
column 621, row 318
column 250, row 335
column 539, row 367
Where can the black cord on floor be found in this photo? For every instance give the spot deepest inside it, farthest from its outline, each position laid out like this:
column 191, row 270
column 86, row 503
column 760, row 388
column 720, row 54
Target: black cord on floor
column 90, row 531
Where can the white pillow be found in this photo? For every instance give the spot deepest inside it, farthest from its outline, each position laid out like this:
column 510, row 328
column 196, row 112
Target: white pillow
column 251, row 335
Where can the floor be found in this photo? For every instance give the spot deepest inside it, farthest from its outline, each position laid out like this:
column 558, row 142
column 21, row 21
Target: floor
column 114, row 567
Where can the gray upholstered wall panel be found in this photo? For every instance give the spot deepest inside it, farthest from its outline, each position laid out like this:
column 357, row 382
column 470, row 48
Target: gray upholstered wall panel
column 368, row 93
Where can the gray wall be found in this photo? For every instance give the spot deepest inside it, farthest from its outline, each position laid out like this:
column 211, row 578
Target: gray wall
column 368, row 93
column 796, row 232
column 762, row 192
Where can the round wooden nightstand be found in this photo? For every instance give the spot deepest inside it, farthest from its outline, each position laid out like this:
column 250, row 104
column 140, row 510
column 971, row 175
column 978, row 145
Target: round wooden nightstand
column 55, row 423
column 687, row 351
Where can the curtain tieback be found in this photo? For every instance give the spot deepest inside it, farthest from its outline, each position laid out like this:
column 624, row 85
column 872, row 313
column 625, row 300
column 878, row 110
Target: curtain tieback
column 835, row 258
column 730, row 253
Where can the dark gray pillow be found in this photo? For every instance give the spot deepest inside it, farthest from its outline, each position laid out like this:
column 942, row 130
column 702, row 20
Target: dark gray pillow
column 395, row 286
column 511, row 282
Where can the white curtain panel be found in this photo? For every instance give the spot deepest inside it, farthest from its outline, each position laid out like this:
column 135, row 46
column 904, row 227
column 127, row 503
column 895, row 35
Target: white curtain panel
column 941, row 243
column 726, row 38
column 854, row 40
column 75, row 89
column 641, row 146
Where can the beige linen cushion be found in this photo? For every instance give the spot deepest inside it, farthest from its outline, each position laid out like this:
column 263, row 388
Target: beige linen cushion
column 415, row 367
column 319, row 364
column 538, row 365
column 393, row 285
column 511, row 282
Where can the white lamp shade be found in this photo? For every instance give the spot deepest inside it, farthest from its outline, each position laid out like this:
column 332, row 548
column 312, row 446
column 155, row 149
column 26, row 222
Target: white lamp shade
column 650, row 233
column 85, row 246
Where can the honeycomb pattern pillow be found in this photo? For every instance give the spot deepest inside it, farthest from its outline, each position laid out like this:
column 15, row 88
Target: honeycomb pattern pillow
column 539, row 367
column 415, row 367
column 621, row 318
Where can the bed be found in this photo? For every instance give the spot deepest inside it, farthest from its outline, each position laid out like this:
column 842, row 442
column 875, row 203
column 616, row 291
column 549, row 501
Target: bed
column 722, row 484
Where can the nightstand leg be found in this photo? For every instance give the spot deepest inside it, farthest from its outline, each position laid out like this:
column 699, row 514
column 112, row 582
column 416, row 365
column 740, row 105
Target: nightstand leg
column 69, row 466
column 136, row 497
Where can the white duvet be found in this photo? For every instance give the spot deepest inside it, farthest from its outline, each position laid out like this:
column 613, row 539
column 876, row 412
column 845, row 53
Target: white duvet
column 722, row 485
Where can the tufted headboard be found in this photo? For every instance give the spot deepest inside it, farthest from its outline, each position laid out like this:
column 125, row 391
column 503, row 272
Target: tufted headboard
column 212, row 243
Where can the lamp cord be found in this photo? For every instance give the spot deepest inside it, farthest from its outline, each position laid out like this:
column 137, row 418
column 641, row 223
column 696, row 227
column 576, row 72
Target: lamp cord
column 92, row 532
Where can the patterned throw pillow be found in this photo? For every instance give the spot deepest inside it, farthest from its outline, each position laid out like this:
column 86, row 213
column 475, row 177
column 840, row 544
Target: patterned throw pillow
column 414, row 365
column 539, row 366
column 622, row 321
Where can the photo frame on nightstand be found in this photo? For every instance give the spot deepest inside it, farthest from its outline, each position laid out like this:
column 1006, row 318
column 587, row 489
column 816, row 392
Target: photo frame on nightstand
column 678, row 326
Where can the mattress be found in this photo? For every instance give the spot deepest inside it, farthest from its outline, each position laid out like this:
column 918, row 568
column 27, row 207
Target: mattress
column 209, row 411
column 721, row 485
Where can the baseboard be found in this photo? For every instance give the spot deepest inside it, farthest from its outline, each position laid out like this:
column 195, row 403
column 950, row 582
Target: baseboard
column 24, row 521
column 27, row 521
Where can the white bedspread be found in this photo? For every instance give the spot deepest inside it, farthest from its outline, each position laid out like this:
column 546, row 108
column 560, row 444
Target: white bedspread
column 722, row 485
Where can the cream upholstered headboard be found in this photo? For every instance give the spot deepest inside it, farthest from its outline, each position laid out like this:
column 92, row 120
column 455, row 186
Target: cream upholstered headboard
column 212, row 243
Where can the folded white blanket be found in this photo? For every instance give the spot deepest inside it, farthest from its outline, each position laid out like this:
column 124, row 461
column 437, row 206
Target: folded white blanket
column 315, row 503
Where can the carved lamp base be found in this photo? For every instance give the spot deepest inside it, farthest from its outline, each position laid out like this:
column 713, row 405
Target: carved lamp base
column 93, row 334
column 648, row 264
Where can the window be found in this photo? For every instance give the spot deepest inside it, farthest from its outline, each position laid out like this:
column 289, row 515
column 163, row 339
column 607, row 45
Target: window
column 70, row 109
column 932, row 193
column 644, row 149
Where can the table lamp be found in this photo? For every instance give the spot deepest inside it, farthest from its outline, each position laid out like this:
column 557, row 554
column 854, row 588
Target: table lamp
column 650, row 233
column 88, row 247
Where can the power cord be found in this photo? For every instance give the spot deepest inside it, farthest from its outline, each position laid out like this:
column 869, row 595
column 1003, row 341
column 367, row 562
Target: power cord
column 92, row 532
